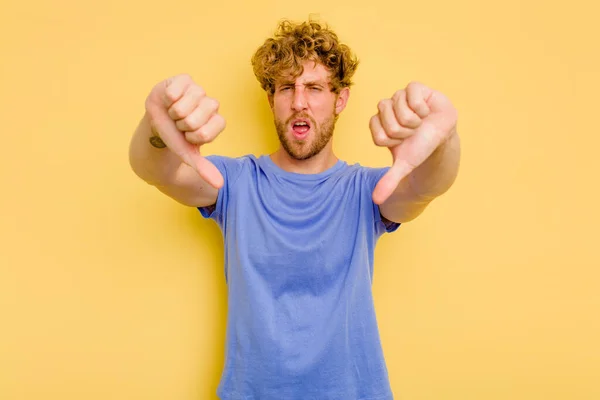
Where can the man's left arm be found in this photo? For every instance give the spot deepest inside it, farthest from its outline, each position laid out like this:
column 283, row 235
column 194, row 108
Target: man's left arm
column 418, row 125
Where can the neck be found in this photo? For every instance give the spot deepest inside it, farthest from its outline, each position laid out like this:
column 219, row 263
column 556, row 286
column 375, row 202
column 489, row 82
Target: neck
column 314, row 165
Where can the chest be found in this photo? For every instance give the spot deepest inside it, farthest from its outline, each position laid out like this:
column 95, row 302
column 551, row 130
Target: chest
column 299, row 243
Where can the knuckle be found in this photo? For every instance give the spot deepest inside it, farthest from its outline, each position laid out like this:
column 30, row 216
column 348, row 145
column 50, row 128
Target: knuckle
column 176, row 111
column 204, row 135
column 198, row 90
column 218, row 123
column 184, row 77
column 192, row 93
column 418, row 103
column 373, row 128
column 191, row 122
column 394, row 129
column 406, row 118
column 214, row 104
column 192, row 137
column 171, row 93
column 379, row 137
column 382, row 141
column 375, row 138
column 373, row 124
column 200, row 136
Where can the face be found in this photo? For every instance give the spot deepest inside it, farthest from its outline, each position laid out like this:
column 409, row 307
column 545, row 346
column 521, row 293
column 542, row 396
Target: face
column 305, row 111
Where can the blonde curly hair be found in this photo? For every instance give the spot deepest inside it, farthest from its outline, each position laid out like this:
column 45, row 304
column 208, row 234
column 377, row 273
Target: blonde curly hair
column 292, row 44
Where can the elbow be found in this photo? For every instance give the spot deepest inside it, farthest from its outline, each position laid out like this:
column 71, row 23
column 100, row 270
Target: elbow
column 403, row 212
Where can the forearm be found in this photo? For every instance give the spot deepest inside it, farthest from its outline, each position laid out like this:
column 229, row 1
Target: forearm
column 156, row 166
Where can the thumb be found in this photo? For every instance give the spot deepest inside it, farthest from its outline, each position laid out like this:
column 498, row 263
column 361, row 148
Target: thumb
column 390, row 181
column 188, row 153
column 204, row 168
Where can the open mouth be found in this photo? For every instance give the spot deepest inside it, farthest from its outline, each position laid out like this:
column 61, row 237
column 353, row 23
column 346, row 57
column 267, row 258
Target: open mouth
column 300, row 127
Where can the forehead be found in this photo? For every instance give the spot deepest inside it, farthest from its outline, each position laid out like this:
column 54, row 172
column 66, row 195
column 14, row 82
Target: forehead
column 313, row 72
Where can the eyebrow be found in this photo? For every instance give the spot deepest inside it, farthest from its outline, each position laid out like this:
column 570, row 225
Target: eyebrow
column 309, row 83
column 315, row 83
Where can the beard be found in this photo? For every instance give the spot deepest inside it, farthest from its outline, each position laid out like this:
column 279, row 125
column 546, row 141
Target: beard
column 310, row 147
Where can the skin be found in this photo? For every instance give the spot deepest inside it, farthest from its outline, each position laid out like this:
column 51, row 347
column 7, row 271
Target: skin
column 417, row 124
column 309, row 96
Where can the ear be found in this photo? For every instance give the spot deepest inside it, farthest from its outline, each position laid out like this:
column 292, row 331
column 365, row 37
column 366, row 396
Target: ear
column 342, row 100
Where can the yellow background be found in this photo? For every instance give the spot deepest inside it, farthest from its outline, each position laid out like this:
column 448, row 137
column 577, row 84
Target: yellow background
column 111, row 290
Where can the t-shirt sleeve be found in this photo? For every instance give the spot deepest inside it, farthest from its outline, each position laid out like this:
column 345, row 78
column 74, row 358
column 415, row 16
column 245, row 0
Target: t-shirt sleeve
column 231, row 169
column 382, row 224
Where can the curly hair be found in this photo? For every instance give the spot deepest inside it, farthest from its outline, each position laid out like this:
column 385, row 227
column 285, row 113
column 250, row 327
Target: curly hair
column 292, row 44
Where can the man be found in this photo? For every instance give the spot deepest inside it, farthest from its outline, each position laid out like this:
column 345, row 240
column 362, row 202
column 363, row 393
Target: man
column 300, row 225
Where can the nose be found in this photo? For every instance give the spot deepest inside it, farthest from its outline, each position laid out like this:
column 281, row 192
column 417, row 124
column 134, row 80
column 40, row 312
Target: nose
column 299, row 102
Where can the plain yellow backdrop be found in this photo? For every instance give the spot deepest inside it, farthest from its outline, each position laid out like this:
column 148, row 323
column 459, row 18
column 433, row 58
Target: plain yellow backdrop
column 111, row 290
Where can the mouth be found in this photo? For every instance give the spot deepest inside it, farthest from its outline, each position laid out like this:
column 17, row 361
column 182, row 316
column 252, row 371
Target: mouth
column 300, row 128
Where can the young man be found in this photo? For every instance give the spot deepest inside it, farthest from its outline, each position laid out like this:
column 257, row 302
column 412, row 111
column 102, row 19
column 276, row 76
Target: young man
column 300, row 225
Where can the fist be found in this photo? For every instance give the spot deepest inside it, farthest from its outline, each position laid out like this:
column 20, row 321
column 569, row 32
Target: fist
column 412, row 125
column 185, row 118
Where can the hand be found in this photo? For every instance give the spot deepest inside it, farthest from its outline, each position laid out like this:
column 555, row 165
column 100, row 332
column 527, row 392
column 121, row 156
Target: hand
column 185, row 118
column 412, row 124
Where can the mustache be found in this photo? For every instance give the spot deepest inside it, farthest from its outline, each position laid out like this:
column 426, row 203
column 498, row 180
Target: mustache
column 301, row 116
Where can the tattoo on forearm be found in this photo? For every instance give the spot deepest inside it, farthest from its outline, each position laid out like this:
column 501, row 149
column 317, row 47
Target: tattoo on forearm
column 157, row 142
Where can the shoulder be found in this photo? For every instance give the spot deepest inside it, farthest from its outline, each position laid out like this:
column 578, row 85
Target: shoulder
column 231, row 167
column 369, row 175
column 229, row 161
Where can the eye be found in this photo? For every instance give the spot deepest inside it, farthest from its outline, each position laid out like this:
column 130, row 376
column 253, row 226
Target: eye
column 284, row 88
column 315, row 88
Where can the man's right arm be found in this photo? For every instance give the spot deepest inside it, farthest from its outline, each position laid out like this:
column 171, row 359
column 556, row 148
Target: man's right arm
column 164, row 150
